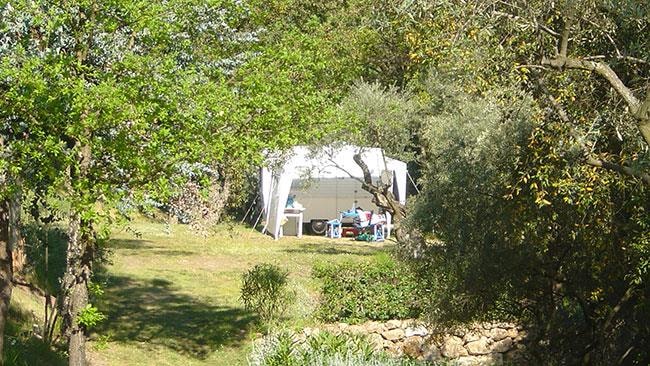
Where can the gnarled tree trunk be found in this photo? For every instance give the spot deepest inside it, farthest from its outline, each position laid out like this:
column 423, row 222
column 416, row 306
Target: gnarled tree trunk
column 383, row 197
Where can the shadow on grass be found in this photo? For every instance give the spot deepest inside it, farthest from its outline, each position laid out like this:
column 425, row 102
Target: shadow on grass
column 133, row 244
column 147, row 246
column 154, row 313
column 334, row 250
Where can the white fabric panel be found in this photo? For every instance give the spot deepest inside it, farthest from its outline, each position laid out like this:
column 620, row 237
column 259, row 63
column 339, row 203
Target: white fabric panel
column 278, row 203
column 266, row 181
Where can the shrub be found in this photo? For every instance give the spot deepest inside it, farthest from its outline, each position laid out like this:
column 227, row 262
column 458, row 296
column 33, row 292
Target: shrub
column 265, row 291
column 322, row 349
column 377, row 289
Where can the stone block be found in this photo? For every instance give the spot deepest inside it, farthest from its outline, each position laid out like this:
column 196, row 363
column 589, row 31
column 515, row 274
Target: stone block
column 479, row 347
column 471, row 336
column 412, row 347
column 453, row 347
column 418, row 330
column 394, row 349
column 459, row 332
column 394, row 334
column 501, row 346
column 485, row 360
column 355, row 329
column 498, row 334
column 374, row 327
column 430, row 352
column 377, row 341
column 520, row 337
column 392, row 324
column 513, row 332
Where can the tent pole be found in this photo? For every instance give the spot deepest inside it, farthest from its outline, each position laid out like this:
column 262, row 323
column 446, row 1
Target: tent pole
column 413, row 182
column 250, row 208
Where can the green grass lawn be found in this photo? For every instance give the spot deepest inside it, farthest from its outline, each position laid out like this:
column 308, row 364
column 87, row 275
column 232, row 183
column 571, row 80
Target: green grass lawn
column 172, row 299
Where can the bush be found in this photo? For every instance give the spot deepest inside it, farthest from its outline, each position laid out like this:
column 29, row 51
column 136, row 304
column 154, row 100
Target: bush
column 377, row 289
column 322, row 349
column 265, row 291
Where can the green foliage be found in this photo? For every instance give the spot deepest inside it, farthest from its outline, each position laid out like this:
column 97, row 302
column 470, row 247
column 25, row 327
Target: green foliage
column 522, row 231
column 326, row 349
column 265, row 291
column 376, row 289
column 374, row 116
column 90, row 316
column 158, row 94
column 95, row 289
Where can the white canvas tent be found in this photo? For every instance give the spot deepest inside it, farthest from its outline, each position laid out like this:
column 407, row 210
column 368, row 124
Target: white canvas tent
column 328, row 162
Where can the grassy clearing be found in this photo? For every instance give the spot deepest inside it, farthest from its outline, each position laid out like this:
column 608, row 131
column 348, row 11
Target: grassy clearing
column 172, row 299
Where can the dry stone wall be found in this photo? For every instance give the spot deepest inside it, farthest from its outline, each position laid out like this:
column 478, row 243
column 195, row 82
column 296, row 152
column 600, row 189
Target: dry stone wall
column 480, row 344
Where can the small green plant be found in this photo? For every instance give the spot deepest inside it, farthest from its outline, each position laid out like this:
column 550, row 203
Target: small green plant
column 90, row 316
column 101, row 343
column 265, row 291
column 324, row 348
column 96, row 289
column 328, row 344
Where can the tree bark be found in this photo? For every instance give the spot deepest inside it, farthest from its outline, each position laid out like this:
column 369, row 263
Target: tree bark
column 16, row 243
column 6, row 272
column 75, row 290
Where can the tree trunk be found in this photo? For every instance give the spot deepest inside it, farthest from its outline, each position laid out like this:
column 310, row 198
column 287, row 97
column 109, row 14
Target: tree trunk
column 382, row 197
column 6, row 273
column 16, row 242
column 74, row 295
column 74, row 288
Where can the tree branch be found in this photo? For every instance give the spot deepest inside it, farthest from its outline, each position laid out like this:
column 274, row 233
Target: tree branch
column 337, row 166
column 601, row 69
column 589, row 158
column 548, row 30
column 564, row 41
column 640, row 111
column 632, row 59
column 618, row 168
column 367, row 178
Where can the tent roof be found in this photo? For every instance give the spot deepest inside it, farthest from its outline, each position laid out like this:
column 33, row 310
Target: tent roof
column 336, row 162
